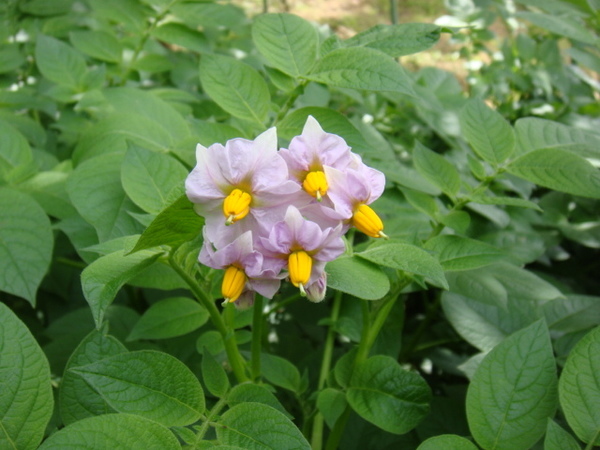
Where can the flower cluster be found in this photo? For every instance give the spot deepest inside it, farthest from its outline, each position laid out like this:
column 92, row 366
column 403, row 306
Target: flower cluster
column 272, row 214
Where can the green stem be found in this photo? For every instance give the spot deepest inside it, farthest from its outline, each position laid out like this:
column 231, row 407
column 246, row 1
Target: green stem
column 257, row 326
column 214, row 412
column 369, row 335
column 590, row 445
column 394, row 11
column 290, row 102
column 423, row 326
column 318, row 423
column 233, row 353
column 281, row 304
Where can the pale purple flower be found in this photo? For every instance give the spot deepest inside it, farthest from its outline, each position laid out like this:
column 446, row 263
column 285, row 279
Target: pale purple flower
column 296, row 235
column 262, row 274
column 252, row 168
column 316, row 291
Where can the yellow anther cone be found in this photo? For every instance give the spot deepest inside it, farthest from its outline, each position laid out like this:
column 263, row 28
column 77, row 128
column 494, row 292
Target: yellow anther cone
column 236, row 206
column 315, row 184
column 367, row 221
column 233, row 283
column 299, row 268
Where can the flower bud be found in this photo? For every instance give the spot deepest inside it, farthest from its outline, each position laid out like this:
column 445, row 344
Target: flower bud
column 317, row 290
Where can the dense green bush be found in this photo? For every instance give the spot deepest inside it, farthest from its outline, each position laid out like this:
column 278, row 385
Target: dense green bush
column 474, row 325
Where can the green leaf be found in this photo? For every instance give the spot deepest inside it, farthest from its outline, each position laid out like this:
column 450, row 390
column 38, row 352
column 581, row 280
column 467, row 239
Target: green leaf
column 574, row 313
column 447, row 442
column 97, row 44
column 280, row 372
column 236, row 87
column 26, row 243
column 214, row 376
column 559, row 439
column 14, row 149
column 169, row 318
column 77, row 400
column 10, row 57
column 254, row 426
column 361, row 68
column 102, row 279
column 559, row 170
column 147, row 383
column 561, row 25
column 288, row 42
column 181, row 35
column 59, row 62
column 514, row 391
column 357, row 277
column 490, row 135
column 243, row 393
column 148, row 177
column 174, row 225
column 436, row 169
column 115, row 431
column 533, row 134
column 331, row 404
column 95, row 190
column 388, row 396
column 209, row 15
column 579, row 388
column 397, row 40
column 459, row 253
column 408, row 258
column 26, row 403
column 505, row 201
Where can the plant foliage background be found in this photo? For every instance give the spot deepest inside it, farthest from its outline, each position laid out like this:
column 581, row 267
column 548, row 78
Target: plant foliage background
column 474, row 326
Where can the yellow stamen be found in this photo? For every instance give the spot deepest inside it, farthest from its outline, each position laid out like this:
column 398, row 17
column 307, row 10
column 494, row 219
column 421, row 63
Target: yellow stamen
column 236, row 206
column 233, row 284
column 300, row 267
column 367, row 221
column 315, row 184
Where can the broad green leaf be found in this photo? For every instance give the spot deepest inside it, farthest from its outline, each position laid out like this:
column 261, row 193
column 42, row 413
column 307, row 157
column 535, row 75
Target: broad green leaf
column 129, row 14
column 436, row 169
column 169, row 318
column 562, row 25
column 114, row 431
column 460, row 253
column 361, row 68
column 357, row 277
column 579, row 388
column 182, row 35
column 26, row 403
column 280, row 372
column 397, row 40
column 102, row 279
column 59, row 62
column 573, row 313
column 288, row 42
column 331, row 404
column 514, row 391
column 505, row 201
column 388, row 396
column 559, row 170
column 209, row 14
column 447, row 442
column 49, row 189
column 214, row 376
column 490, row 135
column 43, row 8
column 112, row 135
column 408, row 258
column 26, row 243
column 148, row 177
column 558, row 439
column 236, row 87
column 174, row 225
column 254, row 426
column 147, row 383
column 77, row 400
column 97, row 44
column 14, row 149
column 10, row 57
column 243, row 393
column 153, row 63
column 331, row 121
column 533, row 134
column 96, row 192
